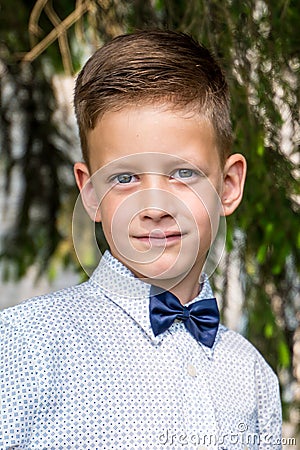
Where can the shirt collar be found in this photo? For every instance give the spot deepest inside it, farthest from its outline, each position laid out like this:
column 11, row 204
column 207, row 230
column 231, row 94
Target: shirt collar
column 131, row 294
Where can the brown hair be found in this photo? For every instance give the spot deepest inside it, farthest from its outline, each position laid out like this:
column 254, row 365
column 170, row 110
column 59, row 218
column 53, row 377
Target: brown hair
column 153, row 67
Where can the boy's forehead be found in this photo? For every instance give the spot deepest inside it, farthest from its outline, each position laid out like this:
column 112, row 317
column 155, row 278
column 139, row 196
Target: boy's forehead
column 150, row 135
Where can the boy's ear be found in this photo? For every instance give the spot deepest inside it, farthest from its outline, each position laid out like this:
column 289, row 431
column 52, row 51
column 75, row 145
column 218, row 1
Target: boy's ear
column 233, row 183
column 87, row 190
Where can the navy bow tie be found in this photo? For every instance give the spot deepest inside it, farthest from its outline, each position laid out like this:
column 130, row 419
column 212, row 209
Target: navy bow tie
column 201, row 318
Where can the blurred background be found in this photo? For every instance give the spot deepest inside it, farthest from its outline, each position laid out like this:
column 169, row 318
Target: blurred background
column 44, row 43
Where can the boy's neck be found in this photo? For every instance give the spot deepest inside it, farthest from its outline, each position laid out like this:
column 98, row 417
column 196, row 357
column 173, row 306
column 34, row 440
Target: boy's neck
column 185, row 294
column 188, row 288
column 185, row 289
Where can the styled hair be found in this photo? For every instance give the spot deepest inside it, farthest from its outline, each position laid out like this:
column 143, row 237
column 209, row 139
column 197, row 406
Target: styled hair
column 153, row 67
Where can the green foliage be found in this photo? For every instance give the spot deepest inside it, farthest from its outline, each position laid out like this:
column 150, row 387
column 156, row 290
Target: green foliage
column 37, row 163
column 264, row 331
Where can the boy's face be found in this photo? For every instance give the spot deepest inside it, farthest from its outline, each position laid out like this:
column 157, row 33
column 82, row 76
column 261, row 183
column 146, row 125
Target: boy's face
column 159, row 185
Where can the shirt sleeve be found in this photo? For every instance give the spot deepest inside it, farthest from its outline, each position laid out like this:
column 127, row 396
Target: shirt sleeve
column 269, row 407
column 18, row 385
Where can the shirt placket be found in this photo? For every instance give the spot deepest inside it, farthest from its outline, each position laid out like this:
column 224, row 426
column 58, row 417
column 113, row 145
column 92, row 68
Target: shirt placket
column 199, row 418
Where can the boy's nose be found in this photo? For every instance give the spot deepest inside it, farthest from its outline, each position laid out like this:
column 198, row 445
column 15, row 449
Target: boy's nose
column 155, row 214
column 156, row 203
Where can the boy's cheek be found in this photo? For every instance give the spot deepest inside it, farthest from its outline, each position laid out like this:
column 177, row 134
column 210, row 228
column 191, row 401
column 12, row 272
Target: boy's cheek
column 126, row 215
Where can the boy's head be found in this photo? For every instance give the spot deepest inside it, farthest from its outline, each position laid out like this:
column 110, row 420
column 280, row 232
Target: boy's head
column 153, row 67
column 153, row 113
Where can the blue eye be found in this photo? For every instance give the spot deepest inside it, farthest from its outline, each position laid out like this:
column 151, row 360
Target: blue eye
column 184, row 173
column 124, row 178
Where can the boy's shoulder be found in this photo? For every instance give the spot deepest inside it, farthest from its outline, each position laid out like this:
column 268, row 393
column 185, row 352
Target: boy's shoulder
column 242, row 352
column 49, row 309
column 236, row 340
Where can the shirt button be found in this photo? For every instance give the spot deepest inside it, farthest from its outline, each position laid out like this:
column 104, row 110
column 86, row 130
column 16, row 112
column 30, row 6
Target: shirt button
column 191, row 370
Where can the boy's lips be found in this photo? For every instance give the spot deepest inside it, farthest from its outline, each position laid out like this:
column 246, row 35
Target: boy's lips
column 158, row 238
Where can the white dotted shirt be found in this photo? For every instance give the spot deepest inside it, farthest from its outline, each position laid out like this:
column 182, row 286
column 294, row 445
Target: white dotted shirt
column 82, row 369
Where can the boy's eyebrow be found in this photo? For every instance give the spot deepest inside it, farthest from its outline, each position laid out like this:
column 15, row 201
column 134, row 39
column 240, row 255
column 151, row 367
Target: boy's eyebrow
column 145, row 163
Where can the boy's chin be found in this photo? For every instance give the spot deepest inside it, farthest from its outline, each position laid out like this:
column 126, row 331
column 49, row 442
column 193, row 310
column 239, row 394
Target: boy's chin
column 166, row 271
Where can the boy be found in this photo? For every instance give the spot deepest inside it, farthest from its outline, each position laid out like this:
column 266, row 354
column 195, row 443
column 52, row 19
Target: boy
column 135, row 357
